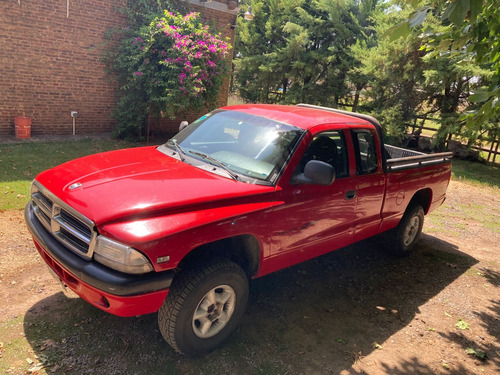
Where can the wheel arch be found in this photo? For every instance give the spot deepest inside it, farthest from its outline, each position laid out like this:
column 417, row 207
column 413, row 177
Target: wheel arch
column 244, row 250
column 423, row 198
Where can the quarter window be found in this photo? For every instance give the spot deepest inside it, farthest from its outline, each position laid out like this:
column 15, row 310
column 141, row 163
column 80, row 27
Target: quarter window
column 365, row 151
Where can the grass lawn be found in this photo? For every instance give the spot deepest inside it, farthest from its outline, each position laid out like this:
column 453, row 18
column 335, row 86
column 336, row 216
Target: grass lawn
column 476, row 173
column 20, row 163
column 317, row 317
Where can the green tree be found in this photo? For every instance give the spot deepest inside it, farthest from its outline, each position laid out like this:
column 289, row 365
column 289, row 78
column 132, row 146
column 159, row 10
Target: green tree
column 469, row 30
column 393, row 74
column 297, row 51
column 405, row 83
column 449, row 81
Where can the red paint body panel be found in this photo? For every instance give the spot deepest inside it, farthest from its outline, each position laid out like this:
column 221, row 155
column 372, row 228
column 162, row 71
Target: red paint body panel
column 116, row 305
column 407, row 183
column 131, row 183
column 301, row 117
column 167, row 208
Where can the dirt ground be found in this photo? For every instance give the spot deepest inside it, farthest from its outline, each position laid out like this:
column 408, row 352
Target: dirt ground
column 354, row 311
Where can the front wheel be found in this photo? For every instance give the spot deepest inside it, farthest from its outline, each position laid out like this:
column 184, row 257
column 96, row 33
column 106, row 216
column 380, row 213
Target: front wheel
column 402, row 239
column 204, row 305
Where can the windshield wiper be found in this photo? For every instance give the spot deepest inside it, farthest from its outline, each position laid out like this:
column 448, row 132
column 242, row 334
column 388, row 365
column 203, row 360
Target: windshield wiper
column 179, row 149
column 233, row 175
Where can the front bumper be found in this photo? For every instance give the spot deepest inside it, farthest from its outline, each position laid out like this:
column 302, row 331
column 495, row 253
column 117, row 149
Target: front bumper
column 112, row 291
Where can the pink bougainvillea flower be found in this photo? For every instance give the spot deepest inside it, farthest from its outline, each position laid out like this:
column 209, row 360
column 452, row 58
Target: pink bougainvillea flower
column 190, row 16
column 181, row 59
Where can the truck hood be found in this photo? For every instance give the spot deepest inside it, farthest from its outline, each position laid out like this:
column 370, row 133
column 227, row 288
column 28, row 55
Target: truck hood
column 139, row 182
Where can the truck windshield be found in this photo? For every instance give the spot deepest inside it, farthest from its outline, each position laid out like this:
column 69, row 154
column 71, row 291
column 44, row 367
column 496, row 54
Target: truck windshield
column 249, row 145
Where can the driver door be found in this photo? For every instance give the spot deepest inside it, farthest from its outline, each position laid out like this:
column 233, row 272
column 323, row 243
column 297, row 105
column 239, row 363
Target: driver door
column 315, row 219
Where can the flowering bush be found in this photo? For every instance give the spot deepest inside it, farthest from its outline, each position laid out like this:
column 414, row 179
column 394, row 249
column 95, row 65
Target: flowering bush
column 173, row 64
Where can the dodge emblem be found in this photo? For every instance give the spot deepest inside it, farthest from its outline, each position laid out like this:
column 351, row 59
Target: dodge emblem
column 75, row 186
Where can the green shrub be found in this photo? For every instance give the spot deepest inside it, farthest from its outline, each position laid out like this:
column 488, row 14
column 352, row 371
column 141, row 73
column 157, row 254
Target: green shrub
column 171, row 64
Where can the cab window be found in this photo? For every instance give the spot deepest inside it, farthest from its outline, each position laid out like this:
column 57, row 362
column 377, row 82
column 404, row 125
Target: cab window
column 329, row 147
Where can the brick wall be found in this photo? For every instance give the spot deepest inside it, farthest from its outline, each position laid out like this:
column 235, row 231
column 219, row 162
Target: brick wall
column 49, row 65
column 50, row 62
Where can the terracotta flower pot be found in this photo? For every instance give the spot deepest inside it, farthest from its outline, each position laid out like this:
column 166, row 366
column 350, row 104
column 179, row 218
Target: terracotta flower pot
column 23, row 127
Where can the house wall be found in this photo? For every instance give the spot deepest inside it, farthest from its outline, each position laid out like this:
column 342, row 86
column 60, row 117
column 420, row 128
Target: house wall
column 50, row 62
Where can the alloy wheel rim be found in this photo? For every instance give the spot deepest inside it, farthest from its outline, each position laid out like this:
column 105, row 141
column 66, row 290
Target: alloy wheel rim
column 411, row 230
column 214, row 311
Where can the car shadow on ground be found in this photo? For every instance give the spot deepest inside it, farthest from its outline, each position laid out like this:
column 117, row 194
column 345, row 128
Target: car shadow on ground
column 318, row 317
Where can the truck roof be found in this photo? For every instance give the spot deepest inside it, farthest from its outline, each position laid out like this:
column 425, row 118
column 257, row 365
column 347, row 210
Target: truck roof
column 299, row 116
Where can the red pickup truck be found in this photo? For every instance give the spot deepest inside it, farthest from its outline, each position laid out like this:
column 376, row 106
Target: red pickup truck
column 243, row 191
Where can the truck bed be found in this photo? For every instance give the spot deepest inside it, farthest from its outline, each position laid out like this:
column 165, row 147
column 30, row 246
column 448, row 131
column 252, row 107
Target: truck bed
column 401, row 158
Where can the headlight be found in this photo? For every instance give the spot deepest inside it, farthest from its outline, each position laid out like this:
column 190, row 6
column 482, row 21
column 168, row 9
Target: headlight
column 120, row 257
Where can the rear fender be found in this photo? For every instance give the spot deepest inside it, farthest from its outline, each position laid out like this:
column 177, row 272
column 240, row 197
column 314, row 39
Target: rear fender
column 423, row 198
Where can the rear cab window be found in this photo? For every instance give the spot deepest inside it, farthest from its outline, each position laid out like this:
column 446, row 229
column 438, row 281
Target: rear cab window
column 365, row 151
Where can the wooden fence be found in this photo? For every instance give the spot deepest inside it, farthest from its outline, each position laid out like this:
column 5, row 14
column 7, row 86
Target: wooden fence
column 492, row 151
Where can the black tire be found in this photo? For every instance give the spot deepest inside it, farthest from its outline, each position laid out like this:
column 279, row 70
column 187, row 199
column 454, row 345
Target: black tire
column 218, row 290
column 401, row 240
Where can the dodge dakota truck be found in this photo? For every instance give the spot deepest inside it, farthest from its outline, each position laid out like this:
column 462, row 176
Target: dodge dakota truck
column 243, row 191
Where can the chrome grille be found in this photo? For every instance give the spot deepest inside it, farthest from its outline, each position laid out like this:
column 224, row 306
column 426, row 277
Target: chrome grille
column 68, row 226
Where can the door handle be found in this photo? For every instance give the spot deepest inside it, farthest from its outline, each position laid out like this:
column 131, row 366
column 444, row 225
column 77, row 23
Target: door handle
column 351, row 194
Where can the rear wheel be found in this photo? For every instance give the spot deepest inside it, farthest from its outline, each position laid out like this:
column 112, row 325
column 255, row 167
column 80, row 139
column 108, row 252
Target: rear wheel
column 402, row 239
column 204, row 305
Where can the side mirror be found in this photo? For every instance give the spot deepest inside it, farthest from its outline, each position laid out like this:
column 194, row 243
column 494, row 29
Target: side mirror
column 183, row 125
column 316, row 172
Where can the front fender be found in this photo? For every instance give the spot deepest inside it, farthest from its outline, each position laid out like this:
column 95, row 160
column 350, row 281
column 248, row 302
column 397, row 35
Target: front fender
column 175, row 235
